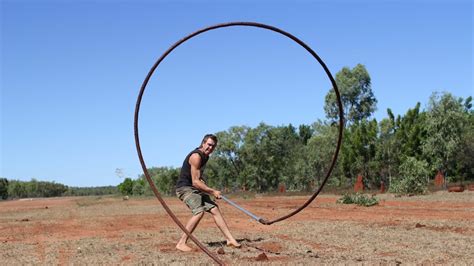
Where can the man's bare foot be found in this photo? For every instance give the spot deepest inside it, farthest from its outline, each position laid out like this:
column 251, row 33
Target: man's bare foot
column 233, row 244
column 183, row 247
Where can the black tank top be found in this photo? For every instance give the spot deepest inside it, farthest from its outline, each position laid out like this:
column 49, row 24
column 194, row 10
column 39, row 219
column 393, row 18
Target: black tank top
column 185, row 179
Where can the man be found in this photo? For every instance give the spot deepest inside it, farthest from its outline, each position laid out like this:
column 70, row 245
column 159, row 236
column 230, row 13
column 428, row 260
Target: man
column 192, row 190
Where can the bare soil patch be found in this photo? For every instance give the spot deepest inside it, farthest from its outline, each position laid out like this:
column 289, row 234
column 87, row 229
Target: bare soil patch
column 432, row 229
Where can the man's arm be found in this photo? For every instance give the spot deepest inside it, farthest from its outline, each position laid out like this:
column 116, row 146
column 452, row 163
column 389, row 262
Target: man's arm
column 195, row 162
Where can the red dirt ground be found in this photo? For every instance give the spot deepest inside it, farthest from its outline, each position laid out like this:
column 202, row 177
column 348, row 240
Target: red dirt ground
column 434, row 229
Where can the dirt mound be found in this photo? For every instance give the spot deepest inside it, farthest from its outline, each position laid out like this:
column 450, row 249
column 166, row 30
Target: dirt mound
column 359, row 185
column 439, row 179
column 456, row 189
column 261, row 257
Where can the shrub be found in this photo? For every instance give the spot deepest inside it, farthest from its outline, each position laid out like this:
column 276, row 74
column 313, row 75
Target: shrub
column 126, row 187
column 414, row 178
column 359, row 199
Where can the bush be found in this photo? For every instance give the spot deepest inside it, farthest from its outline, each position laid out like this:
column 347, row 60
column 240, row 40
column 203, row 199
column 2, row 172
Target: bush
column 126, row 187
column 359, row 199
column 414, row 177
column 138, row 187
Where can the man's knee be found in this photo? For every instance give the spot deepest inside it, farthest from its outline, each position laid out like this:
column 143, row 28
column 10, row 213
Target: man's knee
column 215, row 210
column 199, row 214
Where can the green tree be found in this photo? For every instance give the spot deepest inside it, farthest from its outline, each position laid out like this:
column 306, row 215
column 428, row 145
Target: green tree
column 445, row 123
column 410, row 131
column 357, row 98
column 313, row 161
column 387, row 150
column 268, row 156
column 305, row 132
column 50, row 189
column 126, row 187
column 17, row 189
column 283, row 144
column 139, row 187
column 398, row 138
column 225, row 168
column 414, row 176
column 464, row 156
column 3, row 188
column 88, row 191
column 164, row 178
column 358, row 151
column 254, row 158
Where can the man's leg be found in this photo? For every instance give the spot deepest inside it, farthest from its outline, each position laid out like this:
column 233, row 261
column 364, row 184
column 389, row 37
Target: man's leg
column 190, row 226
column 220, row 222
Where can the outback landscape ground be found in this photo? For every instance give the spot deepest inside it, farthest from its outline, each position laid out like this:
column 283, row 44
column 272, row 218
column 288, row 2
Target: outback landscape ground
column 437, row 228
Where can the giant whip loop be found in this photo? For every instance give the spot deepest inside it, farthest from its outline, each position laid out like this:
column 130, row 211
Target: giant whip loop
column 263, row 221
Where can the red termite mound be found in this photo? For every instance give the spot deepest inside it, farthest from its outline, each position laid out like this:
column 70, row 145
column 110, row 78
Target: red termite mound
column 439, row 179
column 359, row 185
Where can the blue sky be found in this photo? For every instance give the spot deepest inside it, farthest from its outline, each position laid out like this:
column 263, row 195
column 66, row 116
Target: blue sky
column 71, row 72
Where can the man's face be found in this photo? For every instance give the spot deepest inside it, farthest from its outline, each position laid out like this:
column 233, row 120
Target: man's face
column 208, row 146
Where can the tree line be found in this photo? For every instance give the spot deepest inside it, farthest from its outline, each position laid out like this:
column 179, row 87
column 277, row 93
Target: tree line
column 14, row 189
column 404, row 152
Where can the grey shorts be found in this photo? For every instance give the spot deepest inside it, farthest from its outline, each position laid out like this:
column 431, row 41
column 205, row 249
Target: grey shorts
column 196, row 200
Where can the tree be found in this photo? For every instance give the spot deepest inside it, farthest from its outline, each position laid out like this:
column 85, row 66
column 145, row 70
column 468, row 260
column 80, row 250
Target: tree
column 88, row 191
column 3, row 188
column 17, row 189
column 254, row 158
column 164, row 178
column 226, row 169
column 313, row 161
column 399, row 138
column 305, row 133
column 126, row 187
column 267, row 156
column 386, row 147
column 414, row 176
column 410, row 131
column 138, row 187
column 464, row 156
column 357, row 98
column 446, row 120
column 358, row 151
column 282, row 145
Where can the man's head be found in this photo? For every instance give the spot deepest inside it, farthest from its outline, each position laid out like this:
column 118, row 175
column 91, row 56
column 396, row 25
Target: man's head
column 208, row 144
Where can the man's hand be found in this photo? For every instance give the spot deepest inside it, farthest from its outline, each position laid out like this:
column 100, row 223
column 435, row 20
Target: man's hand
column 216, row 194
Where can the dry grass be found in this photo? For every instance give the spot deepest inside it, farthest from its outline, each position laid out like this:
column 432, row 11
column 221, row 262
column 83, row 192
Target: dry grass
column 431, row 229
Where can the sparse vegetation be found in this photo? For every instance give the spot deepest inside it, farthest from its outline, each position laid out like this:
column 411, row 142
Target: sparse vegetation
column 359, row 199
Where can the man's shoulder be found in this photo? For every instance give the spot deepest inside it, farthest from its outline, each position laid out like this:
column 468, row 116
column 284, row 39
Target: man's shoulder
column 195, row 157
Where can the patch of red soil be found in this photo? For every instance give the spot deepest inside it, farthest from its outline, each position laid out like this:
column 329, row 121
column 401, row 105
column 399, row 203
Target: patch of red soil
column 271, row 247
